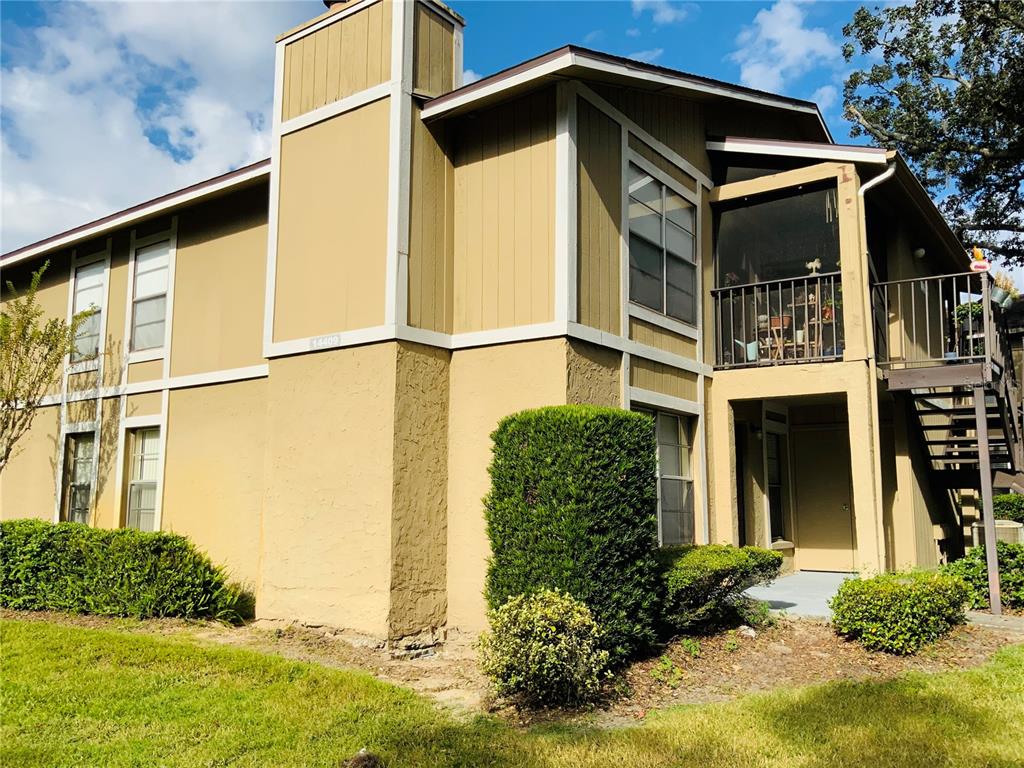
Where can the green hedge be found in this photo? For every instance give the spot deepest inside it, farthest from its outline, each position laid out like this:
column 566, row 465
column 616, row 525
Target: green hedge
column 973, row 571
column 1009, row 506
column 544, row 648
column 573, row 507
column 704, row 585
column 899, row 612
column 72, row 567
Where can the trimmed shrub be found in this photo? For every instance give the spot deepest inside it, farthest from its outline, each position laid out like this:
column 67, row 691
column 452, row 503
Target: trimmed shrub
column 544, row 648
column 972, row 569
column 72, row 567
column 704, row 585
column 573, row 507
column 899, row 612
column 1008, row 506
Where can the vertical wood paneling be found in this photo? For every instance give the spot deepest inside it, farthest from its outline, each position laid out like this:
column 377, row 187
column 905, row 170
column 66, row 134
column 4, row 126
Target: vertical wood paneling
column 343, row 58
column 661, row 338
column 599, row 219
column 504, row 216
column 676, row 122
column 434, row 46
column 430, row 229
column 664, row 379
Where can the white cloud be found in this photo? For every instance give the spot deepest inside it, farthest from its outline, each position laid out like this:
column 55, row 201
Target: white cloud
column 109, row 104
column 593, row 36
column 825, row 97
column 469, row 76
column 648, row 56
column 633, row 32
column 778, row 47
column 662, row 11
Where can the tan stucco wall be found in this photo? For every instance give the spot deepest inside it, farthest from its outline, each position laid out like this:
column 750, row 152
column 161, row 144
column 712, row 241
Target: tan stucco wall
column 487, row 384
column 332, row 225
column 851, row 379
column 326, row 551
column 220, row 276
column 599, row 219
column 213, row 472
column 341, row 59
column 419, row 536
column 594, row 374
column 28, row 485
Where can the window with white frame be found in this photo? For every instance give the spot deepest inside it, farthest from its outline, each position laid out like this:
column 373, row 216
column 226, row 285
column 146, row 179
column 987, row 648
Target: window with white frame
column 675, row 478
column 144, row 463
column 149, row 297
column 76, row 495
column 662, row 249
column 88, row 296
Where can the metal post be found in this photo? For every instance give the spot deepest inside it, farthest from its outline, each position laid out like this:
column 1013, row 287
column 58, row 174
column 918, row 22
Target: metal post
column 985, row 470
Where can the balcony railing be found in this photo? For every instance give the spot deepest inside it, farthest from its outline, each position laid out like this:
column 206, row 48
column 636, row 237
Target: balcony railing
column 779, row 321
column 942, row 319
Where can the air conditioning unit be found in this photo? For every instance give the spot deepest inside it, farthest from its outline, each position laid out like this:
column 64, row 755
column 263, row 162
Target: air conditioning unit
column 1006, row 530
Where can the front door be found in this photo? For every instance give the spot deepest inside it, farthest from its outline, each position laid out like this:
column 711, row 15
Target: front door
column 824, row 511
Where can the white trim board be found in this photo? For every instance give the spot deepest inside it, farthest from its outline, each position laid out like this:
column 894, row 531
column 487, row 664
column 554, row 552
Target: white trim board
column 666, row 402
column 809, row 150
column 583, row 60
column 335, row 108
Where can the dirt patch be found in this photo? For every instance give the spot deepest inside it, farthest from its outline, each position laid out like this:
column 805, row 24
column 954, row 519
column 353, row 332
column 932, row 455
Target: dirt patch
column 794, row 652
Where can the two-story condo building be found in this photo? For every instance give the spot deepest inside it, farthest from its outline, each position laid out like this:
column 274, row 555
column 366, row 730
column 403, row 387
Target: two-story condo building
column 298, row 364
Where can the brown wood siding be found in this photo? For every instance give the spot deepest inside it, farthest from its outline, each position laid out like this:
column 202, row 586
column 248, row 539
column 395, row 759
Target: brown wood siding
column 664, row 379
column 343, row 58
column 676, row 122
column 432, row 182
column 433, row 58
column 662, row 338
column 505, row 215
column 599, row 221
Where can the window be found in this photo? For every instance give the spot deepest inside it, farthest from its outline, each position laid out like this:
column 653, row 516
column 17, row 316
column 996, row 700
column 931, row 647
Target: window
column 675, row 479
column 149, row 306
column 88, row 295
column 76, row 495
column 662, row 255
column 144, row 465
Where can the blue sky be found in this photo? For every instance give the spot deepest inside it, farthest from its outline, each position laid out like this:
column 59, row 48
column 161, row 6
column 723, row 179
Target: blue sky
column 106, row 104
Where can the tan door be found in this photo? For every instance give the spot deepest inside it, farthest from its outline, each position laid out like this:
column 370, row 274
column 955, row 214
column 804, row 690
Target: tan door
column 824, row 511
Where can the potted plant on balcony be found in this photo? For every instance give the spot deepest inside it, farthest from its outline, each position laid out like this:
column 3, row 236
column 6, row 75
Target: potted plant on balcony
column 782, row 321
column 1003, row 291
column 969, row 320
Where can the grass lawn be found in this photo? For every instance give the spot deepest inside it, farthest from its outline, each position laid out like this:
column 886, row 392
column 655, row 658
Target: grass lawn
column 87, row 697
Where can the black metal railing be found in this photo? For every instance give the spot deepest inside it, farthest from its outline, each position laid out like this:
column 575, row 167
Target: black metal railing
column 936, row 320
column 779, row 321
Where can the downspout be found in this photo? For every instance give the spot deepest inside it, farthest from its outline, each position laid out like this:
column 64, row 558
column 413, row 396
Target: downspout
column 884, row 176
column 872, row 362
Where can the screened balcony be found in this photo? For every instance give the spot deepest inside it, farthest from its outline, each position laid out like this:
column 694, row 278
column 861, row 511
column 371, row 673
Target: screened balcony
column 779, row 294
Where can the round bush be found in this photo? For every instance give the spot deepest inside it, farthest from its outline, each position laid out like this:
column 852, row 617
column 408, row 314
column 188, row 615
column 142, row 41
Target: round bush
column 704, row 585
column 573, row 506
column 545, row 649
column 899, row 612
column 1008, row 506
column 972, row 569
column 73, row 567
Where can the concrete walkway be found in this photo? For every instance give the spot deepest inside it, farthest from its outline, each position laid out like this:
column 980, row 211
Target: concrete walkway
column 804, row 593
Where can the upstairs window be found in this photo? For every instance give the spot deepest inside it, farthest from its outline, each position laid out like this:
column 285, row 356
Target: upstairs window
column 88, row 295
column 662, row 251
column 76, row 495
column 142, row 485
column 149, row 305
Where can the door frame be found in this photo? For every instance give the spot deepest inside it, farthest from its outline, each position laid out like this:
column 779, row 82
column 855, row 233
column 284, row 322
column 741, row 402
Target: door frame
column 772, row 426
